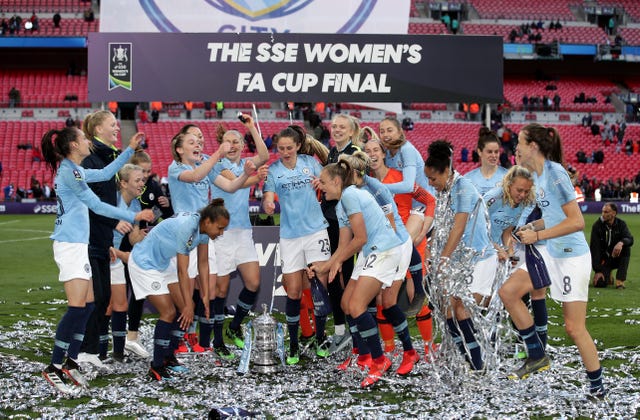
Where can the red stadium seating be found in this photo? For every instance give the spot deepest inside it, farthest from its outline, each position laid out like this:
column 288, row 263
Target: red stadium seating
column 44, row 6
column 590, row 34
column 427, row 28
column 630, row 35
column 525, row 9
column 630, row 7
column 516, row 88
column 45, row 88
column 68, row 27
column 18, row 164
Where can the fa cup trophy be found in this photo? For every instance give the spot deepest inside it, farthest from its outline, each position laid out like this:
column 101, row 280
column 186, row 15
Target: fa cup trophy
column 264, row 345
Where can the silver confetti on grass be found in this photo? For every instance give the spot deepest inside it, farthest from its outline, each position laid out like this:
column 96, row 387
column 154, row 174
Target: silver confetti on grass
column 444, row 388
column 314, row 390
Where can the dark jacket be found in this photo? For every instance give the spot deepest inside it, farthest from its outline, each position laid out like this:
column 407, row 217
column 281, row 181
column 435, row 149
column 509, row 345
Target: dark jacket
column 101, row 228
column 605, row 238
column 149, row 198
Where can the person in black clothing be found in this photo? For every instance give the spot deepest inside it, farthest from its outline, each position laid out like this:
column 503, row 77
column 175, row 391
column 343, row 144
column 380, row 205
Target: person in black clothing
column 610, row 246
column 345, row 131
column 102, row 128
column 56, row 20
column 152, row 197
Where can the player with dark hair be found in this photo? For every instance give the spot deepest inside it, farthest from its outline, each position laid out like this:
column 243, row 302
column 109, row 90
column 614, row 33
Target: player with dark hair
column 566, row 255
column 63, row 151
column 303, row 228
column 158, row 266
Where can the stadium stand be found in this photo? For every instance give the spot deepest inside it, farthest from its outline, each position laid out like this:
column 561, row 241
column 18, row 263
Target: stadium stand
column 525, row 9
column 44, row 6
column 45, row 88
column 462, row 134
column 68, row 27
column 569, row 89
column 427, row 28
column 587, row 34
column 630, row 7
column 53, row 89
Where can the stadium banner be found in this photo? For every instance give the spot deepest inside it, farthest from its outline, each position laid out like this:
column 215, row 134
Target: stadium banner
column 272, row 16
column 31, row 206
column 49, row 207
column 267, row 240
column 295, row 67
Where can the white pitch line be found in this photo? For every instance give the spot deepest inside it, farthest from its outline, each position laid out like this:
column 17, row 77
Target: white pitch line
column 10, row 221
column 23, row 240
column 30, row 230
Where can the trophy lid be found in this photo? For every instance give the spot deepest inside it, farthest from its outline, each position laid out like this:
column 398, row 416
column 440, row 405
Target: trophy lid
column 264, row 319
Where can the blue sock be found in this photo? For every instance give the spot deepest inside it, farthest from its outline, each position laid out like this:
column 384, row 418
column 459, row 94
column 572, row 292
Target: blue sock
column 161, row 340
column 103, row 345
column 218, row 321
column 292, row 312
column 395, row 315
column 466, row 326
column 540, row 319
column 415, row 269
column 246, row 299
column 64, row 333
column 358, row 342
column 369, row 332
column 198, row 311
column 78, row 331
column 175, row 336
column 595, row 381
column 119, row 330
column 206, row 327
column 321, row 321
column 534, row 345
column 455, row 334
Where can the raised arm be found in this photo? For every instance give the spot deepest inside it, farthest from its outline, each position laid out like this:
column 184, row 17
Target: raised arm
column 262, row 152
column 408, row 180
column 109, row 171
column 232, row 185
column 202, row 170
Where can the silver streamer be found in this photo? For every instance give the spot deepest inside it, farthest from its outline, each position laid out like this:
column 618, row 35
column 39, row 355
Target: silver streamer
column 313, row 389
column 450, row 277
column 440, row 386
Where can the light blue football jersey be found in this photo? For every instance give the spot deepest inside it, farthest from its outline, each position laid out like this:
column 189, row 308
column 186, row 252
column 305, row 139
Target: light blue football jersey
column 482, row 184
column 553, row 190
column 75, row 197
column 501, row 214
column 300, row 213
column 384, row 198
column 464, row 198
column 409, row 161
column 187, row 196
column 380, row 233
column 238, row 202
column 176, row 235
column 135, row 207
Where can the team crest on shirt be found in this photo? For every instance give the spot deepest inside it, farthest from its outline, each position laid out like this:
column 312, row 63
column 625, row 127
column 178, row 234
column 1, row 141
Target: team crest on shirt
column 491, row 201
column 77, row 175
column 151, row 196
column 155, row 285
column 306, row 170
column 190, row 241
column 87, row 268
